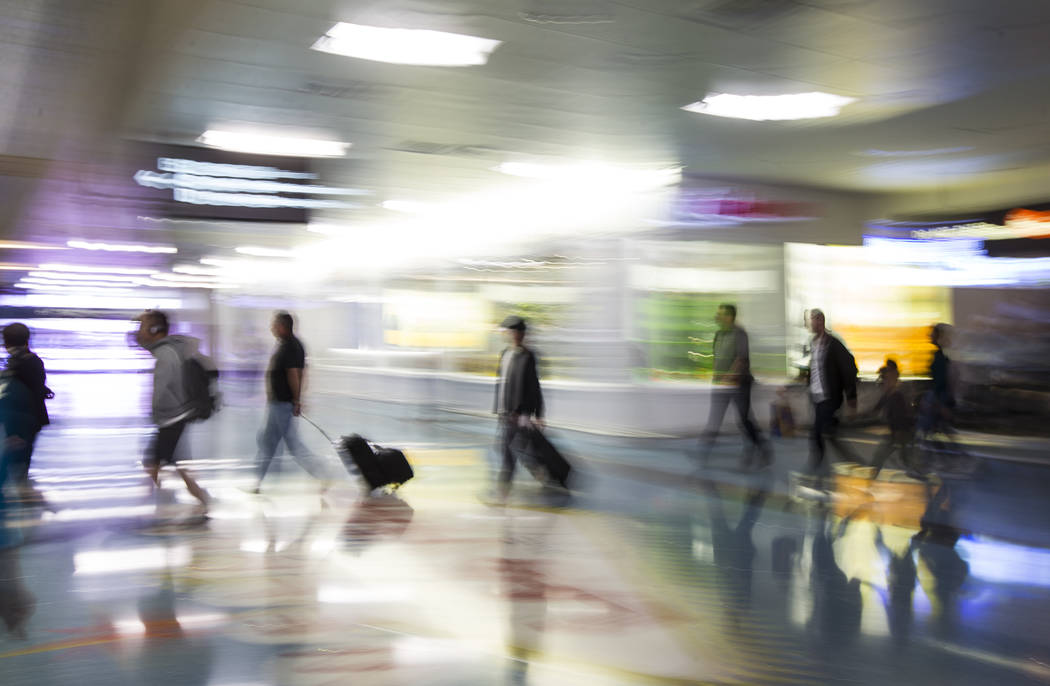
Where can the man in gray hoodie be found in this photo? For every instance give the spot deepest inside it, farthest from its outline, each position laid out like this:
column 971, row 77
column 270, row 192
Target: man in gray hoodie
column 172, row 406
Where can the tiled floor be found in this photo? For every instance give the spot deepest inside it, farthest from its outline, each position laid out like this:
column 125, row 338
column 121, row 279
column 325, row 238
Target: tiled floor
column 637, row 580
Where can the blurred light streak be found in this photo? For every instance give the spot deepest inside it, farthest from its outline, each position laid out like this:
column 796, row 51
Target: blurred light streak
column 84, row 277
column 26, row 245
column 235, row 185
column 88, row 269
column 83, row 301
column 30, row 281
column 80, row 289
column 272, row 144
column 75, row 495
column 254, row 200
column 242, row 171
column 256, row 251
column 122, row 247
column 790, row 106
column 1002, row 562
column 194, row 270
column 875, row 152
column 131, row 559
column 405, row 206
column 406, row 46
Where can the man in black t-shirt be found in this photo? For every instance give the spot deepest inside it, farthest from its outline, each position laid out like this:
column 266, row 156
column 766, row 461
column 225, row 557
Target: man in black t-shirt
column 25, row 368
column 284, row 386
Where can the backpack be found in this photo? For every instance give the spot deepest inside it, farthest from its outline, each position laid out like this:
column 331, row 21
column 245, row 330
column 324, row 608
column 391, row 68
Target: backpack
column 199, row 376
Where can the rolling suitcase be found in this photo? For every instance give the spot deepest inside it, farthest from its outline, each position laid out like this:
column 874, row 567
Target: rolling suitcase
column 543, row 460
column 377, row 465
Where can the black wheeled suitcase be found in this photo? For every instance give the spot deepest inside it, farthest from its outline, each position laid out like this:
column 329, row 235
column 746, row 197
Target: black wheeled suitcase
column 544, row 461
column 379, row 466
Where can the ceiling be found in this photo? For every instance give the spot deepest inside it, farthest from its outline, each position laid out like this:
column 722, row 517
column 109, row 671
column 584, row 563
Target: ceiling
column 951, row 93
column 599, row 79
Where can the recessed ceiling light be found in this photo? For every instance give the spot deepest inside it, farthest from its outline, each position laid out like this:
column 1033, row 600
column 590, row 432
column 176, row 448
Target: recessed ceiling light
column 271, row 144
column 406, row 46
column 771, row 107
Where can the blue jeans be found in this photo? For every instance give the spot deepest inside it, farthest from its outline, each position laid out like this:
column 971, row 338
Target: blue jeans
column 280, row 425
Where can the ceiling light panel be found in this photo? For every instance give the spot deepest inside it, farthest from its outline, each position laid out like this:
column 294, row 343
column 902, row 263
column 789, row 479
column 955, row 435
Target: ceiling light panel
column 787, row 107
column 272, row 144
column 406, row 46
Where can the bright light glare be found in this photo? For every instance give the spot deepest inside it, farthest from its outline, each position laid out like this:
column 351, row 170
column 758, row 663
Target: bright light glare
column 80, row 301
column 406, row 46
column 406, row 206
column 771, row 107
column 51, row 281
column 595, row 174
column 270, row 144
column 328, row 229
column 83, row 269
column 195, row 270
column 131, row 559
column 122, row 247
column 72, row 276
column 184, row 278
column 256, row 251
column 81, row 288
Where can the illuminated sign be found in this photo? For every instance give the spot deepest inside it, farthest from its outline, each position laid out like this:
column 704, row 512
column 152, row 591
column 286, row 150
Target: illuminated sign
column 1016, row 223
column 187, row 182
column 724, row 206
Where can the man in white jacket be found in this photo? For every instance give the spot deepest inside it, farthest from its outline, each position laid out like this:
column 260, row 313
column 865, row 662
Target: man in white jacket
column 172, row 406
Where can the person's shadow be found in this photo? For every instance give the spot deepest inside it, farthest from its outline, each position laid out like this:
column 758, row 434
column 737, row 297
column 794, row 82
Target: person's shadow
column 837, row 601
column 734, row 549
column 936, row 545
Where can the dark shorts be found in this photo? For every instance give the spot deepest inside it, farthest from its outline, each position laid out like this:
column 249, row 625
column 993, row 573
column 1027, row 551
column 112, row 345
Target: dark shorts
column 162, row 446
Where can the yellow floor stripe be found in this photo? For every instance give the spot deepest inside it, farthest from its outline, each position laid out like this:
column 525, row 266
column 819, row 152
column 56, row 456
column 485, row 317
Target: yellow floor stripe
column 445, row 457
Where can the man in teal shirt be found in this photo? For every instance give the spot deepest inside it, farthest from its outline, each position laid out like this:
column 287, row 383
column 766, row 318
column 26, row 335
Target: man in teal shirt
column 732, row 384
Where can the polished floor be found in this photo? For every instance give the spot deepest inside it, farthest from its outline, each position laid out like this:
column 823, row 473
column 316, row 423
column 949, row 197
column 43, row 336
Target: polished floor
column 649, row 575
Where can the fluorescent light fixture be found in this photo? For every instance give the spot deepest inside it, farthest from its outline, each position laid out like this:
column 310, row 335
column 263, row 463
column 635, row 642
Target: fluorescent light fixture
column 256, row 251
column 271, row 144
column 771, row 107
column 595, row 174
column 122, row 247
column 406, row 46
column 82, row 269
